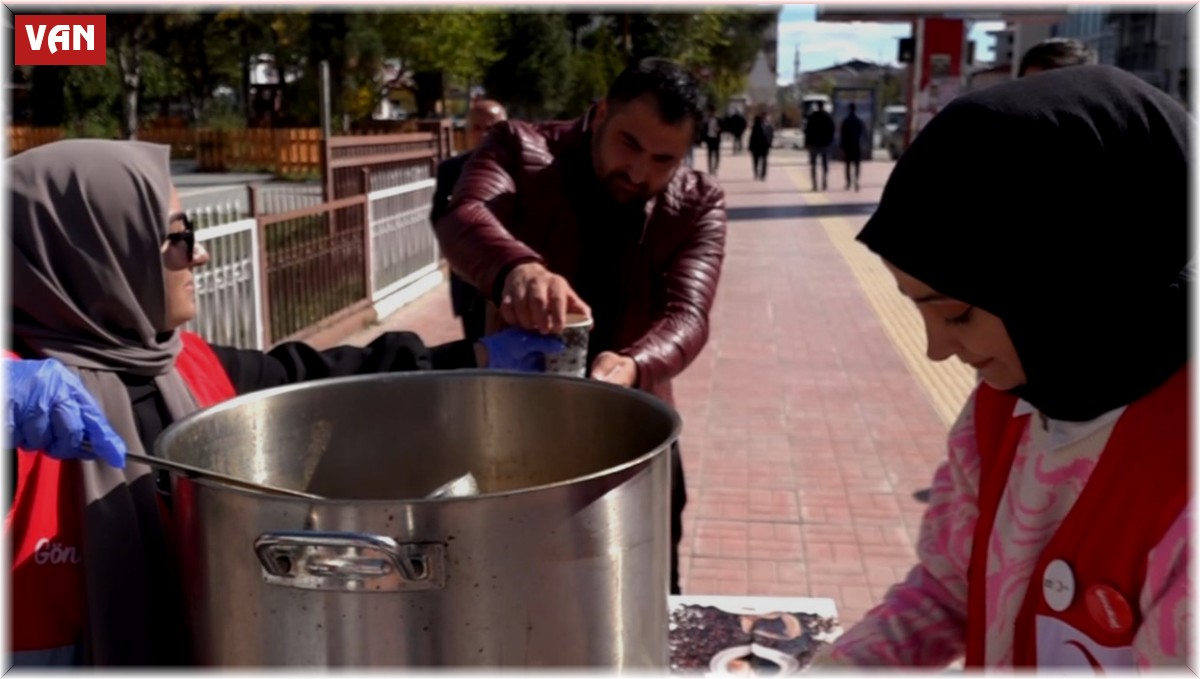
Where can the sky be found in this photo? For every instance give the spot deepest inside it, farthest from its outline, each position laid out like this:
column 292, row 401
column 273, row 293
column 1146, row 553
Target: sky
column 827, row 43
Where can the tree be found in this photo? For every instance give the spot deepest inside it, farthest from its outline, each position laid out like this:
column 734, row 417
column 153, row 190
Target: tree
column 235, row 42
column 594, row 65
column 440, row 47
column 47, row 95
column 732, row 55
column 175, row 70
column 533, row 75
column 127, row 36
column 718, row 45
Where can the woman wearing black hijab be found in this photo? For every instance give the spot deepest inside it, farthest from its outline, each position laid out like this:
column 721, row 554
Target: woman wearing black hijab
column 1057, row 532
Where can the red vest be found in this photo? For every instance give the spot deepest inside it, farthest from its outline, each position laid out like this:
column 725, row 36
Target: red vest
column 44, row 524
column 1081, row 605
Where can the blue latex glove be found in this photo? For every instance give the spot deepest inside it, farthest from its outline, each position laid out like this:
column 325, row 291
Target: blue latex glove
column 517, row 349
column 50, row 410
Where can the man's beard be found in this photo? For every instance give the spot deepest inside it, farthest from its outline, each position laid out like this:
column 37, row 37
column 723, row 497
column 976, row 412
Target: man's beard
column 617, row 185
column 624, row 192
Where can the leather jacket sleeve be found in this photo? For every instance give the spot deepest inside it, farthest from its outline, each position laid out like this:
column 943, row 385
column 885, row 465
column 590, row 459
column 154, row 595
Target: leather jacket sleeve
column 474, row 236
column 680, row 330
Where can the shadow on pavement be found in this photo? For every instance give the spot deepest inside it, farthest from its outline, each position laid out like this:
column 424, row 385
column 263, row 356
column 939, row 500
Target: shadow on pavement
column 799, row 211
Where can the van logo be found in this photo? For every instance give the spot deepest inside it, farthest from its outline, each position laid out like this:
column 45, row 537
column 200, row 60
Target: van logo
column 60, row 40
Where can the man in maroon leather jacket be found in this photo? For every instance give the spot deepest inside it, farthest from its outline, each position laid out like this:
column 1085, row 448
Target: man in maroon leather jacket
column 598, row 216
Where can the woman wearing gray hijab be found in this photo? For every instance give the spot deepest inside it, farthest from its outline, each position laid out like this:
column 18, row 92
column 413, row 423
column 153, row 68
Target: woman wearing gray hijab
column 102, row 281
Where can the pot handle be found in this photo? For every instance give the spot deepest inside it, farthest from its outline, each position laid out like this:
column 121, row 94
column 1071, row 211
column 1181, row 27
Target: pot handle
column 350, row 562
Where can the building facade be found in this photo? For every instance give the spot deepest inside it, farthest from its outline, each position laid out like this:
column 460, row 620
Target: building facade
column 1091, row 26
column 1152, row 45
column 1003, row 45
column 762, row 82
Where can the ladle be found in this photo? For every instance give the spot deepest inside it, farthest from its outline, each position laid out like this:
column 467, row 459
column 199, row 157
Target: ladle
column 460, row 487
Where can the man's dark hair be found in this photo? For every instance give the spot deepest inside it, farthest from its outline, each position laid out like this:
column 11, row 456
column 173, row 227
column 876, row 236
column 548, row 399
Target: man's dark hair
column 1056, row 53
column 673, row 88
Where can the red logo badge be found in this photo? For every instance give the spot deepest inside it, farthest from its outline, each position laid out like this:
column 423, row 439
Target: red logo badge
column 59, row 40
column 1109, row 608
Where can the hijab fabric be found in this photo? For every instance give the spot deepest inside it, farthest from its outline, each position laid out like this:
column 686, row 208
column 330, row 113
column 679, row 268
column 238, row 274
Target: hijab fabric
column 89, row 218
column 1058, row 202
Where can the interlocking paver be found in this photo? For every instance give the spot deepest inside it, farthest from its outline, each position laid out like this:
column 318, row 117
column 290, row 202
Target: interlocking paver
column 806, row 430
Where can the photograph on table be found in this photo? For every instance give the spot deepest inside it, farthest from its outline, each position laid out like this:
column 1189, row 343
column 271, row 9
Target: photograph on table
column 748, row 636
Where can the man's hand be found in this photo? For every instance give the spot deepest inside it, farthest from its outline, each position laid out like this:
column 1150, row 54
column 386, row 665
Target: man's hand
column 535, row 299
column 615, row 369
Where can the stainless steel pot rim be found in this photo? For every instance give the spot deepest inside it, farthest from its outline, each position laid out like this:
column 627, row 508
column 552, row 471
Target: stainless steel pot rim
column 181, row 424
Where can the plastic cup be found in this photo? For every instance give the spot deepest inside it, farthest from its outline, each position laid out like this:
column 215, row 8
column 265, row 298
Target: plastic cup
column 572, row 360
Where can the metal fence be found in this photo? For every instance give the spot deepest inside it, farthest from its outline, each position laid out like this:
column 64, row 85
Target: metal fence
column 226, row 204
column 285, row 263
column 403, row 247
column 316, row 264
column 229, row 288
column 276, row 198
column 219, row 205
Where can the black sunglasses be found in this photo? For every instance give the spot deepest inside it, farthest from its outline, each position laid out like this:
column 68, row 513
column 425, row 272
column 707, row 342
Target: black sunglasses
column 187, row 236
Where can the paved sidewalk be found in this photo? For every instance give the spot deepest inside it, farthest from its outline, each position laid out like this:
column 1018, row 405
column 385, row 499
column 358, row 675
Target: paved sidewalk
column 811, row 418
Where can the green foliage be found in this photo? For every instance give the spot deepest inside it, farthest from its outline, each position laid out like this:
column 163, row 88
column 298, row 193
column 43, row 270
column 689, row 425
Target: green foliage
column 532, row 77
column 719, row 44
column 92, row 100
column 540, row 64
column 457, row 43
column 593, row 67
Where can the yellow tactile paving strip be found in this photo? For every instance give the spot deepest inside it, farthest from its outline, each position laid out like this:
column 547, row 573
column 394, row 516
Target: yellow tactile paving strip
column 947, row 384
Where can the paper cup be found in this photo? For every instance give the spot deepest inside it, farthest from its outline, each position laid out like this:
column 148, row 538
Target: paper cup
column 573, row 359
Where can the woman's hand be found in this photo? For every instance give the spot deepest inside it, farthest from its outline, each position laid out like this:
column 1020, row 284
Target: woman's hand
column 516, row 349
column 50, row 410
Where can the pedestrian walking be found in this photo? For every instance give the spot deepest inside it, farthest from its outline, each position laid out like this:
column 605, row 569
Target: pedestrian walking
column 818, row 138
column 851, row 143
column 1057, row 535
column 762, row 135
column 737, row 129
column 712, row 138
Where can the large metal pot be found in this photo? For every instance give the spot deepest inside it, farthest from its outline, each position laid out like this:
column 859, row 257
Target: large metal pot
column 561, row 561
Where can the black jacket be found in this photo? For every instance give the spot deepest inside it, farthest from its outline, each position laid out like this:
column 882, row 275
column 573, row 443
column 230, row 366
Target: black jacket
column 818, row 131
column 463, row 297
column 250, row 370
column 761, row 137
column 852, row 134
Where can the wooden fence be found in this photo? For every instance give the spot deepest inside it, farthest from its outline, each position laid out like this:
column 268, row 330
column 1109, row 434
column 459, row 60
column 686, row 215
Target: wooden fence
column 291, row 152
column 181, row 140
column 24, row 138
